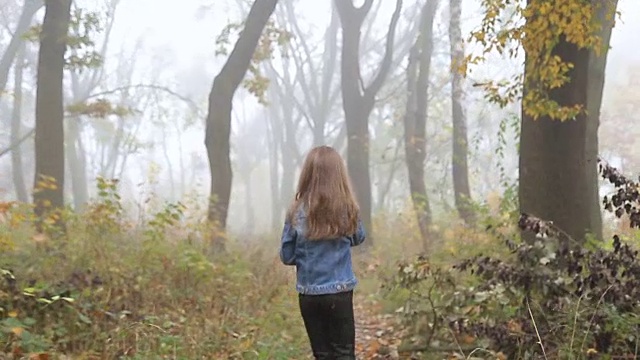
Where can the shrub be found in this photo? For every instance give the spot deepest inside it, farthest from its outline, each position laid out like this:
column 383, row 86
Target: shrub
column 554, row 298
column 112, row 288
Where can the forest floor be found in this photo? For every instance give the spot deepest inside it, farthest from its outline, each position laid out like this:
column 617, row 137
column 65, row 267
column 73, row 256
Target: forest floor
column 378, row 334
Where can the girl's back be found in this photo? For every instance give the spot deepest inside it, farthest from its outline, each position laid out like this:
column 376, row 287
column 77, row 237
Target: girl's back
column 322, row 266
column 322, row 225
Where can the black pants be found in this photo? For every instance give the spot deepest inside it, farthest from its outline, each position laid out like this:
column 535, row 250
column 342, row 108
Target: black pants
column 330, row 325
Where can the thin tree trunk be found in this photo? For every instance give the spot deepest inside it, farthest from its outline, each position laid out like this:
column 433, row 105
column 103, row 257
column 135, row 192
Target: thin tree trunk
column 250, row 211
column 16, row 128
column 415, row 119
column 597, row 65
column 384, row 190
column 218, row 128
column 358, row 101
column 29, row 9
column 165, row 153
column 460, row 168
column 49, row 142
column 77, row 167
column 274, row 176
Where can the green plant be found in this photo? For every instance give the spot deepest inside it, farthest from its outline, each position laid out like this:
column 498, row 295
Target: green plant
column 555, row 298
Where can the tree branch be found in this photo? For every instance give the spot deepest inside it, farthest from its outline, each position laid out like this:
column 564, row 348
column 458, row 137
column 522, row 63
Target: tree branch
column 167, row 90
column 13, row 146
column 375, row 86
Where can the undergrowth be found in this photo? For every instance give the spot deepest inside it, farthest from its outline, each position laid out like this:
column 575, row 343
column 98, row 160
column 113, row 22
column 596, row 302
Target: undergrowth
column 114, row 289
column 555, row 298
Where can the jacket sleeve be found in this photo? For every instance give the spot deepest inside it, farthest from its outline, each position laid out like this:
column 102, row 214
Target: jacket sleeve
column 359, row 236
column 288, row 244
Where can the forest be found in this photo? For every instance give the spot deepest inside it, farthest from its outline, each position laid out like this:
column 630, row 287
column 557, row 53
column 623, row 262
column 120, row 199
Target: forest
column 149, row 150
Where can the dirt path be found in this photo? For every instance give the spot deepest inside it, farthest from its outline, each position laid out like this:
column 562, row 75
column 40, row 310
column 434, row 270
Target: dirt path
column 377, row 334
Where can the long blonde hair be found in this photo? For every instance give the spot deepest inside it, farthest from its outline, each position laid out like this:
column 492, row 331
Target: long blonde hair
column 325, row 193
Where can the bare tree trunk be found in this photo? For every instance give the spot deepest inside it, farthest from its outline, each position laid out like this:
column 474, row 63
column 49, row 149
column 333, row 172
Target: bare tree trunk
column 605, row 15
column 77, row 164
column 218, row 128
column 167, row 158
column 249, row 210
column 415, row 120
column 283, row 101
column 16, row 128
column 462, row 192
column 386, row 187
column 49, row 142
column 274, row 173
column 29, row 9
column 357, row 100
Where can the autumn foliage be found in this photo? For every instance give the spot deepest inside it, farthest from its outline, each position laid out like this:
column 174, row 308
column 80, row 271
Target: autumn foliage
column 555, row 298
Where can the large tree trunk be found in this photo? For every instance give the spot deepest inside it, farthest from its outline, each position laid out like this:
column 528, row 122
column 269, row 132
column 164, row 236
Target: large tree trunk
column 29, row 9
column 49, row 142
column 553, row 180
column 16, row 128
column 460, row 168
column 357, row 100
column 605, row 14
column 218, row 128
column 415, row 120
column 558, row 180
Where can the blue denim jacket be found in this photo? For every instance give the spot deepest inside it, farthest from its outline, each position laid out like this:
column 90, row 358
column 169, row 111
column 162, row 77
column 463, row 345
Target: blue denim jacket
column 322, row 266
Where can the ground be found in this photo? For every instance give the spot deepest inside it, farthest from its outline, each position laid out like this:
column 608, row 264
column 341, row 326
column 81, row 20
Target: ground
column 377, row 334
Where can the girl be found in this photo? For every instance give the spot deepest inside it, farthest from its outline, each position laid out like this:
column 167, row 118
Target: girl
column 321, row 226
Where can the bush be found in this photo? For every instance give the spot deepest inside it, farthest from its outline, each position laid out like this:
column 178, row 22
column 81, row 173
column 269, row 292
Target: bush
column 112, row 288
column 552, row 299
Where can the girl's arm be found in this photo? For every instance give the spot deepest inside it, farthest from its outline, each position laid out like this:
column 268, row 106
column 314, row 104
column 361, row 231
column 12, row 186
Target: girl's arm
column 288, row 246
column 359, row 236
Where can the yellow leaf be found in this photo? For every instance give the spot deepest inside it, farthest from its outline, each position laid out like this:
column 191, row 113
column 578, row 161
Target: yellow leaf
column 13, row 313
column 17, row 330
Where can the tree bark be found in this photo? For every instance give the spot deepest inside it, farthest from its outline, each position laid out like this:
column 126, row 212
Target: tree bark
column 16, row 128
column 460, row 168
column 605, row 15
column 274, row 135
column 77, row 164
column 558, row 179
column 29, row 9
column 218, row 125
column 49, row 141
column 249, row 209
column 415, row 119
column 358, row 100
column 552, row 163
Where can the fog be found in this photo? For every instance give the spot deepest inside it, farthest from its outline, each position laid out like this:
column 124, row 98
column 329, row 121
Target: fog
column 160, row 59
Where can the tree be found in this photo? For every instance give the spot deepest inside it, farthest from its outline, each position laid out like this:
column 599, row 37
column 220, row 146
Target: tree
column 459, row 161
column 358, row 100
column 49, row 130
column 218, row 123
column 556, row 160
column 315, row 73
column 16, row 129
column 605, row 15
column 415, row 119
column 29, row 9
